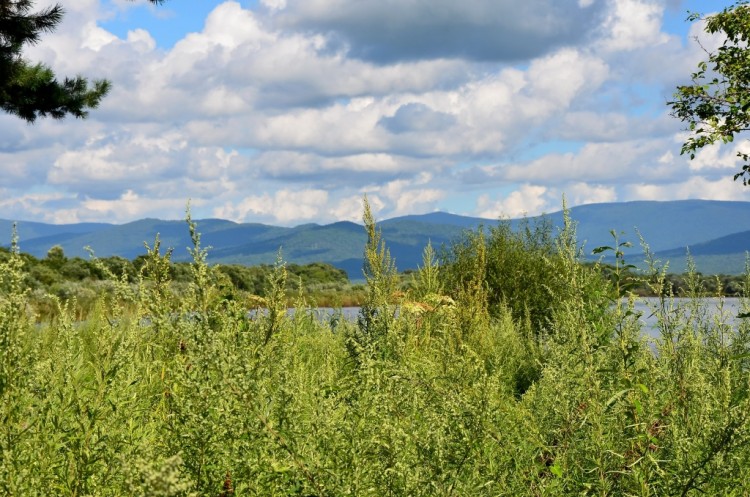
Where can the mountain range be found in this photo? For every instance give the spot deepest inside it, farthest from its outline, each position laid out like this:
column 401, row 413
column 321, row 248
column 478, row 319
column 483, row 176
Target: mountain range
column 717, row 234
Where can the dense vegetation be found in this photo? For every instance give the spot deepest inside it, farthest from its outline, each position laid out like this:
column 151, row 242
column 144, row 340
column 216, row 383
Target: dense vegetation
column 86, row 279
column 506, row 368
column 715, row 105
column 324, row 285
column 32, row 90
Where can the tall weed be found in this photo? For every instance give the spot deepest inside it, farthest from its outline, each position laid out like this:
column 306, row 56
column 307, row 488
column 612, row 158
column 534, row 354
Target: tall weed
column 465, row 385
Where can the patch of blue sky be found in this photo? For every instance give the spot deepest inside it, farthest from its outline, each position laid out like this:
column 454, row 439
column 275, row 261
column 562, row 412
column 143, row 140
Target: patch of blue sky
column 675, row 18
column 42, row 189
column 167, row 23
column 647, row 100
column 464, row 204
column 243, row 151
column 632, row 98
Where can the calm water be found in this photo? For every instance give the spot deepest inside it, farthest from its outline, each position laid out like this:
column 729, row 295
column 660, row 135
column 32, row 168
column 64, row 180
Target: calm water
column 320, row 313
column 726, row 309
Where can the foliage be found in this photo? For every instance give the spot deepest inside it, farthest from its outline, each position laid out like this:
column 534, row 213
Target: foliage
column 172, row 390
column 716, row 106
column 524, row 270
column 86, row 279
column 31, row 90
column 375, row 320
column 719, row 285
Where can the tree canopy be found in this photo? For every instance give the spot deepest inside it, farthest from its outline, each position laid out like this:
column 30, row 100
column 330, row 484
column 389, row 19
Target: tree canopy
column 32, row 90
column 716, row 106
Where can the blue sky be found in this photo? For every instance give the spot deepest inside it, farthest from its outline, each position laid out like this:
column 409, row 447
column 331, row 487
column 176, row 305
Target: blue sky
column 289, row 111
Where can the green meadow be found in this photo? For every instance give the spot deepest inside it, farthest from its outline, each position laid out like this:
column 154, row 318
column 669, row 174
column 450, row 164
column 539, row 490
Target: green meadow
column 506, row 366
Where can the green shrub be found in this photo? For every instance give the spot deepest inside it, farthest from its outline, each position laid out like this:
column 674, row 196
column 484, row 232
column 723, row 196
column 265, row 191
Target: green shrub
column 526, row 270
column 175, row 390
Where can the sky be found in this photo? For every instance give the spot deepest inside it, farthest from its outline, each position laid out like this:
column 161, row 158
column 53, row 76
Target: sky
column 289, row 111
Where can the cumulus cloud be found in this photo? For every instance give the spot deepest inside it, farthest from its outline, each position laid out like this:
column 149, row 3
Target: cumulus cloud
column 350, row 208
column 409, row 196
column 417, row 117
column 694, row 187
column 718, row 159
column 289, row 111
column 352, row 171
column 560, row 77
column 606, row 126
column 528, row 200
column 634, row 24
column 579, row 193
column 282, row 206
column 602, row 163
column 127, row 207
column 43, row 206
column 397, row 30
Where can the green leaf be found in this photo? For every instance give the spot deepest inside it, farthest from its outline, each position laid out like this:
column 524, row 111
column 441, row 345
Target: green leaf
column 615, row 398
column 638, row 407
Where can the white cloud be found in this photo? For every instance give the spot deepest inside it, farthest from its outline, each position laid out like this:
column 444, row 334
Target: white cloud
column 264, row 115
column 33, row 205
column 95, row 37
column 231, row 26
column 562, row 76
column 694, row 187
column 351, row 208
column 603, row 163
column 405, row 197
column 127, row 207
column 579, row 193
column 117, row 159
column 721, row 157
column 274, row 4
column 284, row 206
column 634, row 24
column 141, row 41
column 603, row 126
column 528, row 200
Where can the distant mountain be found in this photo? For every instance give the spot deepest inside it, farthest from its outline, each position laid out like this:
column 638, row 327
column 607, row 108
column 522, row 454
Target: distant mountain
column 125, row 240
column 730, row 244
column 442, row 218
column 718, row 233
column 341, row 244
column 28, row 230
column 664, row 225
column 726, row 254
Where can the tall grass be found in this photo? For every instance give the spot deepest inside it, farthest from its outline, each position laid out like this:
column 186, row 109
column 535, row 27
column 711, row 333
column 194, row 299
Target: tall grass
column 504, row 370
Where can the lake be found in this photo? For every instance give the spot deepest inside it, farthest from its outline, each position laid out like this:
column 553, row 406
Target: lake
column 726, row 308
column 645, row 306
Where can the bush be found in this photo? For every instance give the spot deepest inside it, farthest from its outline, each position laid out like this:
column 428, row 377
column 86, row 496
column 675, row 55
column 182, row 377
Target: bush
column 526, row 270
column 452, row 395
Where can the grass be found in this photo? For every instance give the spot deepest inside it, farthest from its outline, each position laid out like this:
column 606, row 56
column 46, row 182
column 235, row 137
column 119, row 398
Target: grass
column 475, row 387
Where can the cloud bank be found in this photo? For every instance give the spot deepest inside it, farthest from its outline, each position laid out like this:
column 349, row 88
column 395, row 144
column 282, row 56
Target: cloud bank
column 290, row 111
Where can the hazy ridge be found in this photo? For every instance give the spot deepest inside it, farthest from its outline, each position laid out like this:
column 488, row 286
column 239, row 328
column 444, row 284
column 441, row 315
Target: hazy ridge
column 717, row 233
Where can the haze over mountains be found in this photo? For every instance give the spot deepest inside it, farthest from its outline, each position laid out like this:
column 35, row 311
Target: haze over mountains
column 717, row 233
